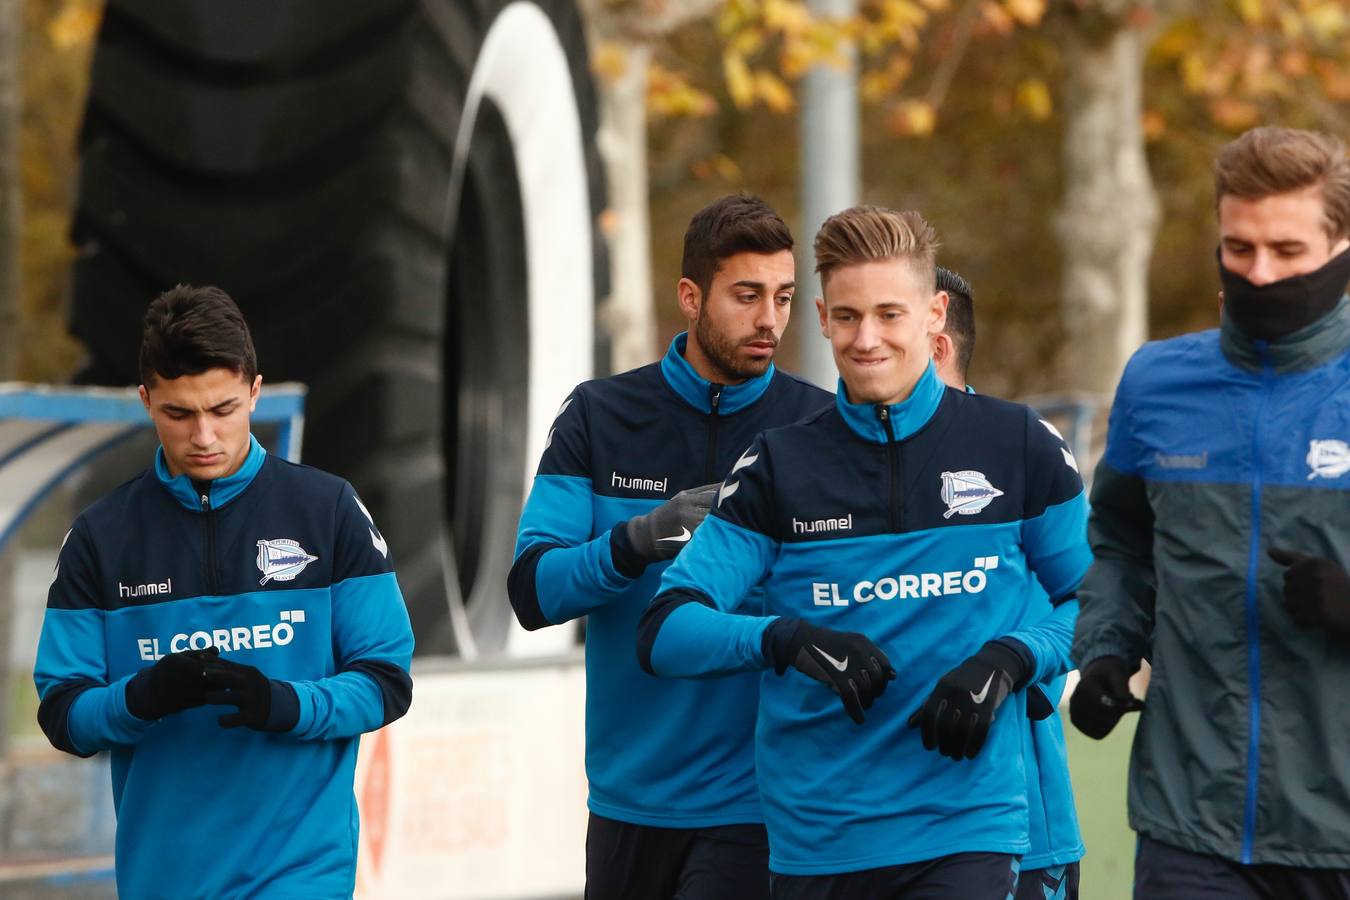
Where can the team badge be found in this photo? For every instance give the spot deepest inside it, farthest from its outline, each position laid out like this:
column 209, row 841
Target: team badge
column 967, row 492
column 282, row 559
column 1328, row 459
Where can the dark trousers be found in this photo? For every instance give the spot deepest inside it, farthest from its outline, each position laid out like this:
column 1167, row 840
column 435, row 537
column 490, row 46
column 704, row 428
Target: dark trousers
column 1049, row 883
column 642, row 862
column 1164, row 872
column 967, row 876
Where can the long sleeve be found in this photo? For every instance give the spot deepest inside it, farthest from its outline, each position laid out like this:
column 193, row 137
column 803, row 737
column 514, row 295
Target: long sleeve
column 562, row 571
column 372, row 637
column 690, row 631
column 80, row 710
column 1054, row 539
column 1118, row 591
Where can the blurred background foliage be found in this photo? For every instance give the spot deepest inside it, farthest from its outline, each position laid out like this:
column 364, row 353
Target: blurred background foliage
column 961, row 120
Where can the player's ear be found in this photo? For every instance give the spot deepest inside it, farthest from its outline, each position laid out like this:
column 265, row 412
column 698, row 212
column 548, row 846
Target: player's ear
column 943, row 348
column 824, row 317
column 690, row 297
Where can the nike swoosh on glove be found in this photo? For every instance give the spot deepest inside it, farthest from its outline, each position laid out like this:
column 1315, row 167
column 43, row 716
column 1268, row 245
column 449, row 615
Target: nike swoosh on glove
column 848, row 662
column 665, row 531
column 956, row 718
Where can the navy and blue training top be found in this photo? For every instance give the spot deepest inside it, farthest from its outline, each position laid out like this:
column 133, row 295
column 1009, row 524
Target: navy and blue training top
column 675, row 754
column 280, row 567
column 922, row 525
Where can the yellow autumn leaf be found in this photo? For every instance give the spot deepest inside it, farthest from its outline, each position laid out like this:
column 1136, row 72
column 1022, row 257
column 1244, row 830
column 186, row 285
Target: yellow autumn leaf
column 1194, row 72
column 775, row 95
column 787, row 16
column 1033, row 97
column 1234, row 114
column 1327, row 21
column 740, row 83
column 1153, row 125
column 1175, row 42
column 748, row 41
column 1335, row 81
column 913, row 118
column 1251, row 11
column 1026, row 12
column 996, row 18
column 609, row 62
column 75, row 25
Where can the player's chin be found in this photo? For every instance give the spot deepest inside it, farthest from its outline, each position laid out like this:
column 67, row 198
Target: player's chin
column 753, row 366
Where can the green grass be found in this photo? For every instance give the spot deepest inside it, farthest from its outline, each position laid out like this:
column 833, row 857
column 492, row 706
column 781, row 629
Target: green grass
column 1098, row 769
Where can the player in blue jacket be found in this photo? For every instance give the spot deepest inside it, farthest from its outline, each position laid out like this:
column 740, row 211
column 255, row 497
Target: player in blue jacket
column 226, row 625
column 1050, row 869
column 917, row 517
column 628, row 473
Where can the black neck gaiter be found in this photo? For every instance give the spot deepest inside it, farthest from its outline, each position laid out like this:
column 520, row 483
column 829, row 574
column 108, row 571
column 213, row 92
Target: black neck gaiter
column 1272, row 311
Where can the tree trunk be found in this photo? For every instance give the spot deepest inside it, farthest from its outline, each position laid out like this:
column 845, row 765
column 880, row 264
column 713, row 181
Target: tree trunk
column 11, row 24
column 1109, row 213
column 628, row 313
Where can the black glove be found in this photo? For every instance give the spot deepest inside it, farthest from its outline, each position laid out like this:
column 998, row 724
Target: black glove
column 265, row 704
column 853, row 666
column 956, row 717
column 664, row 532
column 1103, row 696
column 175, row 683
column 1316, row 590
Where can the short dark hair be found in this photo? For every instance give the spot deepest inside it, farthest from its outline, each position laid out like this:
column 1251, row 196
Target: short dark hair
column 960, row 325
column 190, row 330
column 736, row 223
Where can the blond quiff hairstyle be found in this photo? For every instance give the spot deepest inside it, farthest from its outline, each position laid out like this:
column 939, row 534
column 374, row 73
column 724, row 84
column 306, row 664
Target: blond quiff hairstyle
column 863, row 234
column 1266, row 161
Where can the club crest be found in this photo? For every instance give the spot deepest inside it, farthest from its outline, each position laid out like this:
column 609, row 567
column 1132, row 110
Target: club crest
column 282, row 559
column 1328, row 459
column 966, row 492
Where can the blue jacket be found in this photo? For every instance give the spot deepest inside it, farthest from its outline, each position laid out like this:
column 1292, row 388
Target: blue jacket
column 280, row 567
column 1219, row 448
column 1052, row 820
column 662, row 753
column 923, row 525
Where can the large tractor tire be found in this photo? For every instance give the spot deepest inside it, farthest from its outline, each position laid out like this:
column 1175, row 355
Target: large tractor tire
column 403, row 196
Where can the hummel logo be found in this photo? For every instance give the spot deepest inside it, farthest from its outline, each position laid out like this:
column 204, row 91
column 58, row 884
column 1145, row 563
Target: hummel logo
column 681, row 537
column 376, row 539
column 841, row 666
column 984, row 691
column 745, row 460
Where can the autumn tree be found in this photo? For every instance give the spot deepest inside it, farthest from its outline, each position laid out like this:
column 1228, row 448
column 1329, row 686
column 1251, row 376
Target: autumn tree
column 1227, row 65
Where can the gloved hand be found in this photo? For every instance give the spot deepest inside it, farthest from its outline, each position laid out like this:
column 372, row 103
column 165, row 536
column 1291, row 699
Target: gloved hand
column 1316, row 590
column 663, row 532
column 174, row 683
column 1103, row 696
column 852, row 666
column 956, row 717
column 265, row 704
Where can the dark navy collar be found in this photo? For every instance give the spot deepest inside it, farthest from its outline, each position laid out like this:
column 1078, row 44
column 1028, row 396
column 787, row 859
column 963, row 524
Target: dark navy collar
column 697, row 391
column 1311, row 346
column 906, row 418
column 219, row 492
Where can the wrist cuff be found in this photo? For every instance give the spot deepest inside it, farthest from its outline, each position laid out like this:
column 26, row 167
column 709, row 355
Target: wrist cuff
column 1013, row 657
column 285, row 709
column 627, row 561
column 777, row 644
